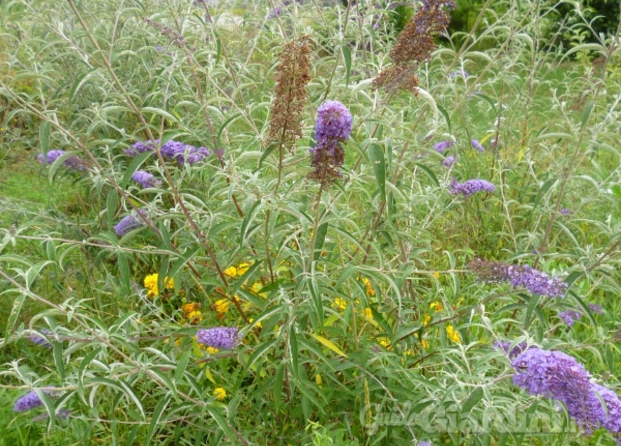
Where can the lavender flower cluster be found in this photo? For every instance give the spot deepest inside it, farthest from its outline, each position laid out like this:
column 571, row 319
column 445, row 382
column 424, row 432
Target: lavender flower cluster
column 333, row 126
column 570, row 317
column 477, row 145
column 145, row 179
column 172, row 150
column 71, row 163
column 127, row 224
column 219, row 337
column 278, row 10
column 560, row 377
column 536, row 282
column 29, row 401
column 470, row 187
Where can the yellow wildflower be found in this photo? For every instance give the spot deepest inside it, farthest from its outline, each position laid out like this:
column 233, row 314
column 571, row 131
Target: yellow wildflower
column 221, row 306
column 368, row 314
column 231, row 271
column 318, row 380
column 423, row 342
column 242, row 268
column 150, row 283
column 436, row 306
column 339, row 304
column 194, row 317
column 212, row 351
column 258, row 324
column 436, row 274
column 426, row 319
column 453, row 334
column 219, row 393
column 190, row 307
column 385, row 342
column 369, row 287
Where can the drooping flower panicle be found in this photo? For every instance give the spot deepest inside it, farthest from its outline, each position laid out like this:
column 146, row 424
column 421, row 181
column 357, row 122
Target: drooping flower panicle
column 40, row 340
column 28, row 402
column 72, row 163
column 470, row 187
column 558, row 376
column 443, row 146
column 291, row 93
column 127, row 224
column 570, row 317
column 172, row 150
column 477, row 145
column 219, row 337
column 537, row 282
column 145, row 179
column 449, row 161
column 333, row 126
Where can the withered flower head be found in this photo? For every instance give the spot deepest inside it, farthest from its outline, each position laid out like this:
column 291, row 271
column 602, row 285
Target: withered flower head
column 414, row 45
column 291, row 93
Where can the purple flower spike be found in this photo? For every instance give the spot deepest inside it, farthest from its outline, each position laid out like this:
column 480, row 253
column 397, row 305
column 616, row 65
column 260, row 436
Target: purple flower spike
column 443, row 146
column 145, row 179
column 334, row 121
column 41, row 340
column 537, row 282
column 449, row 161
column 560, row 377
column 570, row 317
column 127, row 224
column 333, row 126
column 477, row 145
column 566, row 211
column 597, row 309
column 71, row 163
column 219, row 337
column 470, row 187
column 29, row 401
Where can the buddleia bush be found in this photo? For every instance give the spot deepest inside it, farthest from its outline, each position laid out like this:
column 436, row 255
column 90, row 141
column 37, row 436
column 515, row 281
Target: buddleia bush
column 295, row 227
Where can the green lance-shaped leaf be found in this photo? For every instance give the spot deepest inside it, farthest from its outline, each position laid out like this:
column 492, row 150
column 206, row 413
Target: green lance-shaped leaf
column 376, row 156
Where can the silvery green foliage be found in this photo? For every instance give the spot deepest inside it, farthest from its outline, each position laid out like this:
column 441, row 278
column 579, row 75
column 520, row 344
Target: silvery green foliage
column 358, row 317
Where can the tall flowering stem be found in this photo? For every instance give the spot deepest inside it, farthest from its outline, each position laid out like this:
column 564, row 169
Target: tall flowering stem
column 414, row 46
column 291, row 96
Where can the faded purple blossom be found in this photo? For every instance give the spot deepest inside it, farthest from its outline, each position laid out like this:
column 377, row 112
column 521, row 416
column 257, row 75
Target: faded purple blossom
column 461, row 73
column 219, row 337
column 333, row 126
column 597, row 309
column 172, row 150
column 425, row 443
column 477, row 145
column 566, row 211
column 536, row 282
column 40, row 340
column 62, row 414
column 470, row 187
column 29, row 401
column 127, row 224
column 560, row 377
column 71, row 163
column 511, row 353
column 145, row 179
column 443, row 146
column 449, row 161
column 570, row 317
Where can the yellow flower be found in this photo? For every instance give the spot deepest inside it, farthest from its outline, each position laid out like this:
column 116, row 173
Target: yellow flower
column 194, row 317
column 436, row 306
column 426, row 319
column 219, row 393
column 384, row 342
column 222, row 306
column 231, row 271
column 368, row 314
column 423, row 342
column 150, row 283
column 258, row 324
column 339, row 304
column 318, row 380
column 369, row 286
column 212, row 351
column 453, row 334
column 436, row 274
column 242, row 268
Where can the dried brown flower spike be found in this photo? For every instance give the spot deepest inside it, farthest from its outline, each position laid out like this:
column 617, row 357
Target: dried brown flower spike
column 291, row 93
column 414, row 45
